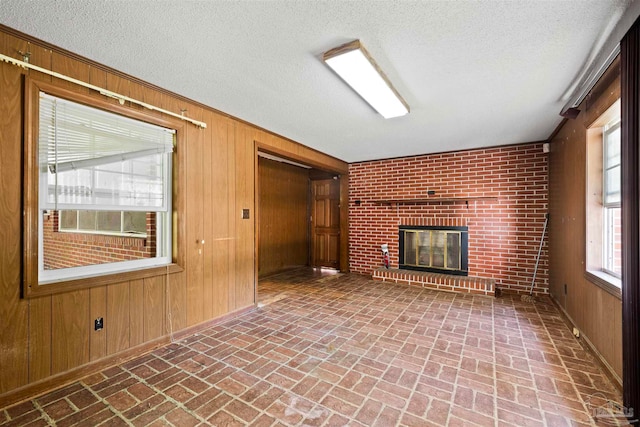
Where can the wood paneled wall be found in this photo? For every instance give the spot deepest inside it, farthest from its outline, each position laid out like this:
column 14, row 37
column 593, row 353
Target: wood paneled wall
column 283, row 197
column 50, row 339
column 597, row 313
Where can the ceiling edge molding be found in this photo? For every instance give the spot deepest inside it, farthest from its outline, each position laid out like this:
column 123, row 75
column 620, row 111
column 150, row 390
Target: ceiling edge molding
column 605, row 57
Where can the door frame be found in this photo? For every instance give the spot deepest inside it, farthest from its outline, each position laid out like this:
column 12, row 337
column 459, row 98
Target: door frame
column 314, row 160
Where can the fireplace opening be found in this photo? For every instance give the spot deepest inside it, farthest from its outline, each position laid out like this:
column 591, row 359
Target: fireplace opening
column 438, row 249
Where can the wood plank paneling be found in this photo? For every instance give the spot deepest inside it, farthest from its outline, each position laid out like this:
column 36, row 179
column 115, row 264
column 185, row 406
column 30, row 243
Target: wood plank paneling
column 97, row 77
column 71, row 325
column 245, row 197
column 98, row 339
column 177, row 302
column 64, row 65
column 232, row 215
column 118, row 85
column 208, row 218
column 202, row 183
column 593, row 310
column 177, row 283
column 220, row 230
column 194, row 226
column 154, row 308
column 38, row 56
column 13, row 312
column 616, row 336
column 152, row 97
column 137, row 307
column 117, row 319
column 283, row 198
column 39, row 338
column 137, row 91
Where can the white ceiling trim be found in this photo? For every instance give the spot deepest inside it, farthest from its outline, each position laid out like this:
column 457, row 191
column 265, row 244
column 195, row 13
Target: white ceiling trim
column 604, row 58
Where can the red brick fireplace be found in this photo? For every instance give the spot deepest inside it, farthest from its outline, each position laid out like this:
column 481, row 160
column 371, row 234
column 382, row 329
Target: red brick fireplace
column 500, row 194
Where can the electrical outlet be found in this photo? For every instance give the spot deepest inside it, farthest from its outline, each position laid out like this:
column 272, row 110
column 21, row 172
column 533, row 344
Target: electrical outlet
column 245, row 213
column 98, row 324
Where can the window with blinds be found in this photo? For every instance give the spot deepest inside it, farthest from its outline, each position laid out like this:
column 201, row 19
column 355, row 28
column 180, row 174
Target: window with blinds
column 103, row 178
column 92, row 159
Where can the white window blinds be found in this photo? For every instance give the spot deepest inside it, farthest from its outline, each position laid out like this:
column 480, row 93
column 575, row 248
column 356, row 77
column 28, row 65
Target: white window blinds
column 96, row 160
column 611, row 167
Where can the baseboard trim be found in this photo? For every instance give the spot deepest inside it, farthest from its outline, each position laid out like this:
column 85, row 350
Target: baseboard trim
column 63, row 379
column 38, row 388
column 588, row 346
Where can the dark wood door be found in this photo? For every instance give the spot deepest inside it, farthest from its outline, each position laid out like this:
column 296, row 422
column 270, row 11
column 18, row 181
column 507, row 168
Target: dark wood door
column 325, row 223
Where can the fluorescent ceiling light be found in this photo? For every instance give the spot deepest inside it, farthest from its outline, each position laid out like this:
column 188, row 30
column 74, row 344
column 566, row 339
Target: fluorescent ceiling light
column 357, row 68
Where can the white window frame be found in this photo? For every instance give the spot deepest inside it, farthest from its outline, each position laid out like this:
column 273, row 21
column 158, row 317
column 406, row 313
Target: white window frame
column 79, row 230
column 164, row 232
column 595, row 197
column 607, row 225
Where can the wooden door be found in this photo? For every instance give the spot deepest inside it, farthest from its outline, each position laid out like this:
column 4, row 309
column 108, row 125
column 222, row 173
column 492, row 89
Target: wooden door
column 325, row 223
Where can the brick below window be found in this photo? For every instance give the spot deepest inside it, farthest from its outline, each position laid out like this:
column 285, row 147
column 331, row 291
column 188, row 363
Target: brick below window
column 65, row 250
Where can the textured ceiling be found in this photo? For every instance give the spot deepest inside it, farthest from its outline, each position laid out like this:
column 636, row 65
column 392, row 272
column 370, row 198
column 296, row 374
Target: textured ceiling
column 475, row 73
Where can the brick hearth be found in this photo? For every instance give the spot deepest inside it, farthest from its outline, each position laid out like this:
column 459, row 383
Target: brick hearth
column 440, row 282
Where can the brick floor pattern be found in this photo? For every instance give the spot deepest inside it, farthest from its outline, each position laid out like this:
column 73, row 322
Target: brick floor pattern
column 343, row 350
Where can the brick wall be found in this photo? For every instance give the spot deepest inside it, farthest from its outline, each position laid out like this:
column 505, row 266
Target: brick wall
column 504, row 234
column 63, row 249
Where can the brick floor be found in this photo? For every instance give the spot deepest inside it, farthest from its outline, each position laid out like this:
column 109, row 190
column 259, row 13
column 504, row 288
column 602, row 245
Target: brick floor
column 332, row 350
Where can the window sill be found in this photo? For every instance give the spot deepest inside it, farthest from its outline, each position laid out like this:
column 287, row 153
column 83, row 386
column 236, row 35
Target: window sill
column 102, row 280
column 605, row 281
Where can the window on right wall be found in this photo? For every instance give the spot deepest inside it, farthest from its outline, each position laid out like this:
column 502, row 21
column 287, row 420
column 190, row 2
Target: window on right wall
column 612, row 229
column 603, row 213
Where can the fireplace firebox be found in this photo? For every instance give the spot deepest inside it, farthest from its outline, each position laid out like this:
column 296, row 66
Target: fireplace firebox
column 438, row 249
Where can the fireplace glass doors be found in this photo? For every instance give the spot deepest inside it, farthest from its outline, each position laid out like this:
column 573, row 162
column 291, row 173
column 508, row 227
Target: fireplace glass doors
column 436, row 249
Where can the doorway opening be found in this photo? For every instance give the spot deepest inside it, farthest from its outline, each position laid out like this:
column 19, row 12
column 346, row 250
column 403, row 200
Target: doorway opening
column 298, row 218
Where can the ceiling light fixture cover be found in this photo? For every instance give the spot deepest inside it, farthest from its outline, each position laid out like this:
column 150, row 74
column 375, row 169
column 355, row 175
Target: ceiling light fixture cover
column 358, row 69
